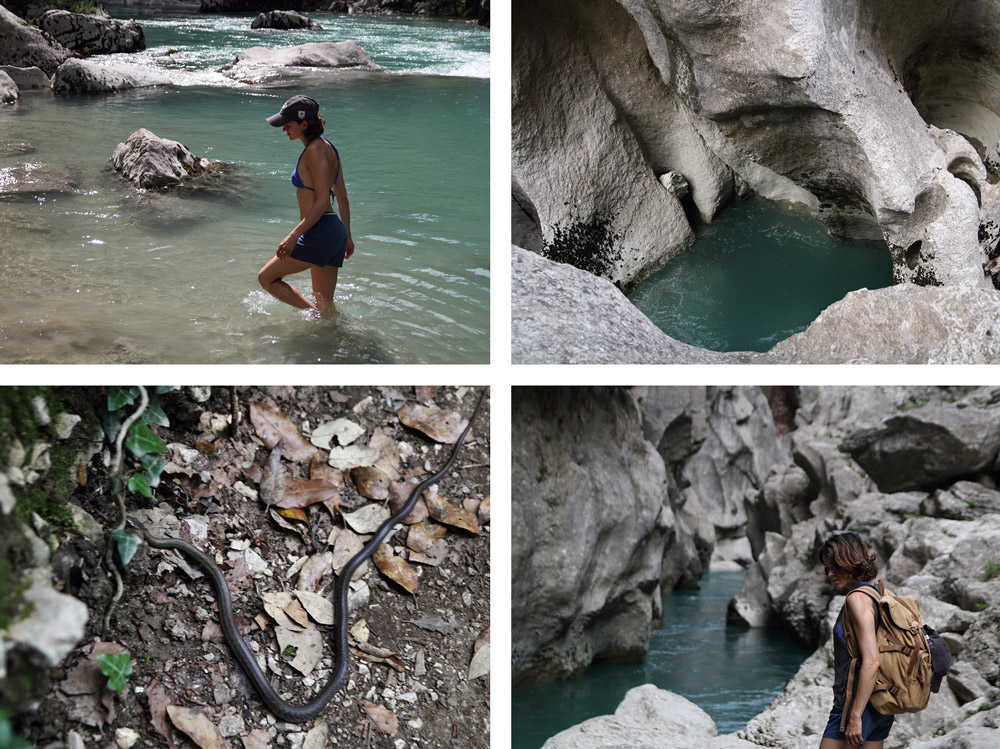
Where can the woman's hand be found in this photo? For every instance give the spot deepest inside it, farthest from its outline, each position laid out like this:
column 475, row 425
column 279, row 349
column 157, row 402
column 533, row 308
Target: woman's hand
column 286, row 246
column 853, row 732
column 350, row 248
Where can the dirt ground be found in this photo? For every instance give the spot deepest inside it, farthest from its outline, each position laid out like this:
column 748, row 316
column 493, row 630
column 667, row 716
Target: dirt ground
column 418, row 694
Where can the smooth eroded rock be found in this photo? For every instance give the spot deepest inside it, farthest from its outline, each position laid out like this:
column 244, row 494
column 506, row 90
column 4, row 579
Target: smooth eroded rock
column 8, row 89
column 260, row 64
column 85, row 77
column 283, row 19
column 32, row 78
column 151, row 162
column 24, row 46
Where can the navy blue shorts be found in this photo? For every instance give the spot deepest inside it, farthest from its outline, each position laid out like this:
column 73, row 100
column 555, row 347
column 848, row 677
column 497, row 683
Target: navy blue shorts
column 874, row 725
column 324, row 243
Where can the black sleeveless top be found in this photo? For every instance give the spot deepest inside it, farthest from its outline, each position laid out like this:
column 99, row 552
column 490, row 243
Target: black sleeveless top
column 842, row 658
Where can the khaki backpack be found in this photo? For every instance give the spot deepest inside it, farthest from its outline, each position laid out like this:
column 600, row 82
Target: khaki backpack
column 903, row 679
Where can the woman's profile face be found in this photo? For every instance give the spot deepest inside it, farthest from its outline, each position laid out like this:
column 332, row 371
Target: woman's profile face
column 838, row 578
column 294, row 130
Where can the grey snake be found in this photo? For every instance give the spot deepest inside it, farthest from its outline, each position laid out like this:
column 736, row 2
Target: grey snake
column 239, row 647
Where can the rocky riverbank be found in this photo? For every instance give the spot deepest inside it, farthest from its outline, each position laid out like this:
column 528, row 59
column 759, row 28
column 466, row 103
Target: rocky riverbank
column 885, row 133
column 757, row 477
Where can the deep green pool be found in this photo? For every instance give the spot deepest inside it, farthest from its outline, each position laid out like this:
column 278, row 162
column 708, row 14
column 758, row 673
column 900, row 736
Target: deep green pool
column 732, row 673
column 761, row 272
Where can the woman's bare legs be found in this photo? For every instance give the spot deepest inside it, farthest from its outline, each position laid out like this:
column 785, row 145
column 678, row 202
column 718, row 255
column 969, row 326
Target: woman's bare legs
column 272, row 275
column 828, row 743
column 324, row 281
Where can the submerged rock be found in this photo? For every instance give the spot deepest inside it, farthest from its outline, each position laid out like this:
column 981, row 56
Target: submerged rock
column 90, row 34
column 259, row 64
column 150, row 162
column 283, row 19
column 563, row 315
column 84, row 77
column 22, row 45
column 35, row 178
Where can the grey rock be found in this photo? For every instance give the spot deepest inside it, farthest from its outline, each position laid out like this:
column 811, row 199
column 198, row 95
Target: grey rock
column 981, row 646
column 85, row 77
column 563, row 315
column 927, row 446
column 36, row 178
column 966, row 682
column 54, row 625
column 963, row 500
column 978, row 731
column 28, row 79
column 283, row 19
column 90, row 34
column 903, row 324
column 586, row 485
column 23, row 46
column 647, row 717
column 151, row 162
column 260, row 64
column 9, row 92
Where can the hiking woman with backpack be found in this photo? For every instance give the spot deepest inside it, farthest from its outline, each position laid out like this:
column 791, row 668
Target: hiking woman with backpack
column 849, row 565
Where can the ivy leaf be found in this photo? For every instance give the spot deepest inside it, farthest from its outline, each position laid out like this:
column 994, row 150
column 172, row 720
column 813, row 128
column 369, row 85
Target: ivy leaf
column 116, row 668
column 165, row 388
column 112, row 423
column 154, row 413
column 127, row 544
column 139, row 484
column 152, row 464
column 119, row 397
column 142, row 440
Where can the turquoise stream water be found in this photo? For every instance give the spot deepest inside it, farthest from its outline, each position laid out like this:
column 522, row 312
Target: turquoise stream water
column 101, row 272
column 759, row 273
column 732, row 673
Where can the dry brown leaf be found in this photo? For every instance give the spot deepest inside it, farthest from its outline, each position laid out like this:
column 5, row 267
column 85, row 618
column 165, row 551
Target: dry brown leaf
column 433, row 557
column 439, row 425
column 423, row 536
column 159, row 699
column 425, row 392
column 399, row 492
column 273, row 476
column 302, row 493
column 395, row 568
column 375, row 654
column 483, row 639
column 258, row 738
column 298, row 614
column 307, row 645
column 347, row 545
column 313, row 571
column 197, row 726
column 319, row 607
column 274, row 605
column 320, row 470
column 449, row 514
column 87, row 709
column 271, row 425
column 480, row 663
column 289, row 527
column 212, row 632
column 382, row 718
column 390, row 463
column 359, row 631
column 371, row 482
column 206, row 444
column 338, row 397
column 368, row 519
column 317, row 737
column 353, row 456
column 294, row 513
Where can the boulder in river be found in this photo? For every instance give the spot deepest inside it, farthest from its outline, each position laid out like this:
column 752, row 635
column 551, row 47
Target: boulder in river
column 31, row 78
column 8, row 89
column 90, row 34
column 259, row 64
column 283, row 19
column 85, row 77
column 151, row 162
column 22, row 45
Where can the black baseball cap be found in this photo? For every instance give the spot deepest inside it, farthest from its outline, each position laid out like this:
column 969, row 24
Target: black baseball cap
column 296, row 109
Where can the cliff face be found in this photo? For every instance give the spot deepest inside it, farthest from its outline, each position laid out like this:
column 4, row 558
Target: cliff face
column 880, row 117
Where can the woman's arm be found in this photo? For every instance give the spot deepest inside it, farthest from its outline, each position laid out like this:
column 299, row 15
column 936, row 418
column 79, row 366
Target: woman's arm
column 317, row 172
column 860, row 608
column 344, row 209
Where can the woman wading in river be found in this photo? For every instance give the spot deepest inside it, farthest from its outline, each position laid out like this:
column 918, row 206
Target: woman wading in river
column 321, row 241
column 849, row 565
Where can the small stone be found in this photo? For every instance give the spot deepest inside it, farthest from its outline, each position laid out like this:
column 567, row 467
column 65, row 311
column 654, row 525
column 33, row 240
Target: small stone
column 65, row 424
column 416, row 724
column 73, row 741
column 222, row 694
column 125, row 738
column 231, row 725
column 40, row 411
column 7, row 500
column 200, row 394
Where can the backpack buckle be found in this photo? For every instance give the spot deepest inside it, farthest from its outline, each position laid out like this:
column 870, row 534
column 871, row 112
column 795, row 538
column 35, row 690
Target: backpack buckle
column 906, row 650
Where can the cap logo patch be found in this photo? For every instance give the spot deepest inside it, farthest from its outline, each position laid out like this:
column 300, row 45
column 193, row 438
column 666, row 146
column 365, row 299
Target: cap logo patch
column 302, row 114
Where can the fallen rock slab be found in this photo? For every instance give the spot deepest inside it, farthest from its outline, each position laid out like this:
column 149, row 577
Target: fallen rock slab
column 563, row 315
column 903, row 324
column 283, row 20
column 259, row 64
column 153, row 163
column 84, row 77
column 31, row 78
column 22, row 45
column 92, row 35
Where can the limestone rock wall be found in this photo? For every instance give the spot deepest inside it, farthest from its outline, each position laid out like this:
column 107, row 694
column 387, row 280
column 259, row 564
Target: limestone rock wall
column 883, row 129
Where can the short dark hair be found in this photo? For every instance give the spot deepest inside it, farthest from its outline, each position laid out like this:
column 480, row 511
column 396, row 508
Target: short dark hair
column 848, row 553
column 314, row 128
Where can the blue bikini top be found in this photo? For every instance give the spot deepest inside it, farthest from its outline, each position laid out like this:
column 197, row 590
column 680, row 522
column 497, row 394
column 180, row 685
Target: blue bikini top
column 297, row 180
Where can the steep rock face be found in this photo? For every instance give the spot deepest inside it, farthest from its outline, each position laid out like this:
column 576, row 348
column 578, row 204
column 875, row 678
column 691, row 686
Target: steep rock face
column 92, row 35
column 589, row 526
column 883, row 129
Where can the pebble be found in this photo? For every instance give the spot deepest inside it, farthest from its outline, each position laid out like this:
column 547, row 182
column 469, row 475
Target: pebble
column 74, row 741
column 40, row 410
column 416, row 724
column 231, row 725
column 125, row 738
column 65, row 424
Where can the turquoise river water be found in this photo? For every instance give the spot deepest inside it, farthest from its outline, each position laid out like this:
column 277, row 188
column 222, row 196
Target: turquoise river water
column 100, row 272
column 730, row 672
column 759, row 273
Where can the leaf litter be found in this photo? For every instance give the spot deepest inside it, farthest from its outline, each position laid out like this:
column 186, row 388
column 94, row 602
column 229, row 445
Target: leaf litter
column 181, row 654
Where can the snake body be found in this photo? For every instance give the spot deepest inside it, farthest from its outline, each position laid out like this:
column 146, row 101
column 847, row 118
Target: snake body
column 239, row 647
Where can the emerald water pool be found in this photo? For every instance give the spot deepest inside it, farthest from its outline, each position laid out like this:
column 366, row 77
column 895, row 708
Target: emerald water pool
column 100, row 272
column 730, row 672
column 761, row 272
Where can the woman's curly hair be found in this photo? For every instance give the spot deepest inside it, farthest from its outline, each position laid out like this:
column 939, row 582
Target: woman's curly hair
column 848, row 553
column 314, row 128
